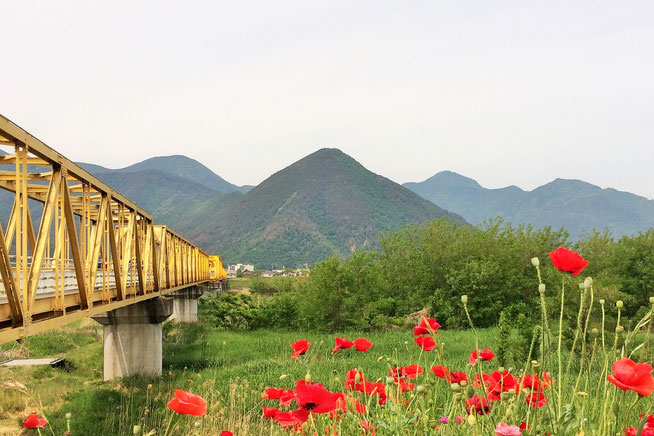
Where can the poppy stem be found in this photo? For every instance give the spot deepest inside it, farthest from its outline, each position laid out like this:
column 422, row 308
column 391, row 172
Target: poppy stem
column 170, row 421
column 560, row 400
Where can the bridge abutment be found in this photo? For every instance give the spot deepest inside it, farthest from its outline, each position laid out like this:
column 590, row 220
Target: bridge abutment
column 185, row 304
column 132, row 338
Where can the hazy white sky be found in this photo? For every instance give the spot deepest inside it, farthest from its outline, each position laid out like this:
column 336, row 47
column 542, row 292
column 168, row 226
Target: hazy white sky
column 506, row 92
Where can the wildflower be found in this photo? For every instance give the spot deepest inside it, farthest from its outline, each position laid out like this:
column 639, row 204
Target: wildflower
column 227, row 433
column 186, row 403
column 427, row 343
column 648, row 428
column 426, row 326
column 368, row 427
column 270, row 412
column 285, row 396
column 499, row 382
column 300, row 348
column 631, row 376
column 451, row 376
column 536, row 384
column 477, row 405
column 459, row 419
column 362, row 344
column 444, row 419
column 353, row 377
column 536, row 399
column 503, row 429
column 342, row 343
column 314, row 398
column 372, row 389
column 523, row 426
column 33, row 421
column 485, row 354
column 568, row 261
column 410, row 372
column 294, row 418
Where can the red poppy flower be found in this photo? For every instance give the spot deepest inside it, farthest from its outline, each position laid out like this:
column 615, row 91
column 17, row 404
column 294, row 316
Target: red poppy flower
column 368, row 427
column 427, row 343
column 568, row 261
column 343, row 343
column 478, row 405
column 458, row 377
column 426, row 326
column 270, row 412
column 33, row 421
column 537, row 400
column 362, row 344
column 485, row 354
column 227, row 433
column 499, row 382
column 631, row 376
column 186, row 403
column 285, row 396
column 369, row 388
column 353, row 377
column 410, row 372
column 536, row 384
column 314, row 398
column 523, row 426
column 300, row 348
column 441, row 372
column 294, row 418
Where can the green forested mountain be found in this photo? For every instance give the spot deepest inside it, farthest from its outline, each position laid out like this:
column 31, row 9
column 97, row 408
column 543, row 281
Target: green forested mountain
column 323, row 204
column 576, row 205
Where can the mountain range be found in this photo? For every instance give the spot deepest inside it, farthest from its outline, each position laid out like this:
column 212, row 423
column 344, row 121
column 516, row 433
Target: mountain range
column 576, row 205
column 327, row 203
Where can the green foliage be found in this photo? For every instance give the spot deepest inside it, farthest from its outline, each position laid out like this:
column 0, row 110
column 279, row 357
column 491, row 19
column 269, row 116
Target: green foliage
column 227, row 310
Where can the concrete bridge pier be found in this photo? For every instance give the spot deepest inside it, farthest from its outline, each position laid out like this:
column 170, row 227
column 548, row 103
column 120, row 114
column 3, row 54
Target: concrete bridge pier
column 185, row 304
column 132, row 338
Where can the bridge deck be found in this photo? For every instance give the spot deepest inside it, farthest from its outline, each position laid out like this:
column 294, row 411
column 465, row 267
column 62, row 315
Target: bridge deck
column 93, row 249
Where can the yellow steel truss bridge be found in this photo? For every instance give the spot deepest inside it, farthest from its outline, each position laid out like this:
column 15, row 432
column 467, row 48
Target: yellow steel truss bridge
column 72, row 247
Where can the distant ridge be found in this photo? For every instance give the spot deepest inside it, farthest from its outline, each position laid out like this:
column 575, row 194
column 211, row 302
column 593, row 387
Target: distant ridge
column 574, row 204
column 177, row 165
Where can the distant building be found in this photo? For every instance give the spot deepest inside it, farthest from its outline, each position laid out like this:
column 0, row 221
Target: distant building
column 233, row 270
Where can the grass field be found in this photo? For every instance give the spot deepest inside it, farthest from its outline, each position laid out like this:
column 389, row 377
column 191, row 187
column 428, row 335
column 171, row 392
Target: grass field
column 230, row 369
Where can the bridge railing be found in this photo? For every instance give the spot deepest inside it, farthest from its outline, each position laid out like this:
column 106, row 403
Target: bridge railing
column 71, row 247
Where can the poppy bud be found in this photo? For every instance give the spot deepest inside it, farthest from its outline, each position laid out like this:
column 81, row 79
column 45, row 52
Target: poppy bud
column 357, row 377
column 582, row 286
column 224, row 343
column 602, row 302
column 594, row 333
column 651, row 300
column 136, row 430
column 463, row 383
column 420, row 388
column 149, row 386
column 283, row 376
column 307, row 377
column 616, row 409
column 535, row 364
column 389, row 380
column 380, row 358
column 535, row 262
column 464, row 299
column 619, row 329
column 541, row 288
column 501, row 369
column 589, row 282
column 458, row 396
column 69, row 415
column 455, row 387
column 472, row 420
column 619, row 304
column 470, row 392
